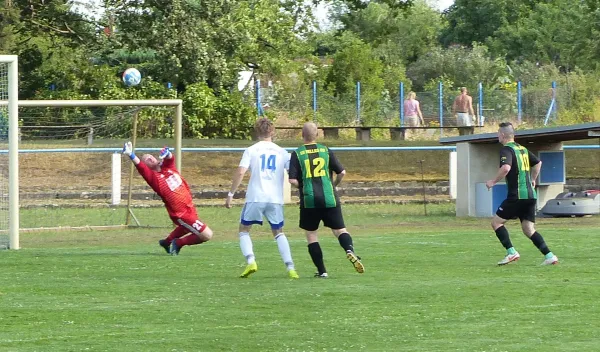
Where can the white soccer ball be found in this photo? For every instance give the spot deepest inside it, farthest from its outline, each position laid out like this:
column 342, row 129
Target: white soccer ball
column 132, row 77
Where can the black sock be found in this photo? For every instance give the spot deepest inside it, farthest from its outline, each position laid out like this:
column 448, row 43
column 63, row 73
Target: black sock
column 539, row 242
column 346, row 242
column 502, row 234
column 314, row 249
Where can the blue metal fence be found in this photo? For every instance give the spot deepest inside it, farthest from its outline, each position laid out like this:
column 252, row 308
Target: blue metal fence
column 514, row 102
column 203, row 150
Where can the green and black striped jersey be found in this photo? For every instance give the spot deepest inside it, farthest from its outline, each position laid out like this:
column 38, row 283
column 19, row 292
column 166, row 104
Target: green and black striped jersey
column 313, row 166
column 518, row 179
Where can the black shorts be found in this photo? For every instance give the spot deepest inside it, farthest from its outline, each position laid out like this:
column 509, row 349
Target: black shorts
column 523, row 209
column 310, row 218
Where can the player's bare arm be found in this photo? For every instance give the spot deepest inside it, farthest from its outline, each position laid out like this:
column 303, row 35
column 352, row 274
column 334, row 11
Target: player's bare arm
column 535, row 172
column 500, row 175
column 338, row 178
column 294, row 170
column 238, row 176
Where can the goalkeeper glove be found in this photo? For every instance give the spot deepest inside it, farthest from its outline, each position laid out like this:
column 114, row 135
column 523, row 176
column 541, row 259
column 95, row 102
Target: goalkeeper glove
column 164, row 153
column 128, row 150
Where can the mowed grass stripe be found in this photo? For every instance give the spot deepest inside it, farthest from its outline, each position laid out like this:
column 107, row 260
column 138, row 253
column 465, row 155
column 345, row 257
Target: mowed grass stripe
column 431, row 285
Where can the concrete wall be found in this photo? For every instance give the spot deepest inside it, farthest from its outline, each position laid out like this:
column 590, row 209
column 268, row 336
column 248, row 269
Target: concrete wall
column 546, row 192
column 479, row 163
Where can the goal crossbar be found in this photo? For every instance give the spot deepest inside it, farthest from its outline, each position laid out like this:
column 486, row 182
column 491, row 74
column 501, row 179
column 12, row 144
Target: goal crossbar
column 177, row 103
column 12, row 106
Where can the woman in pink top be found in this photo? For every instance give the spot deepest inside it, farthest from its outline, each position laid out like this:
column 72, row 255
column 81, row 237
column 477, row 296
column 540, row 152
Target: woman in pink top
column 412, row 111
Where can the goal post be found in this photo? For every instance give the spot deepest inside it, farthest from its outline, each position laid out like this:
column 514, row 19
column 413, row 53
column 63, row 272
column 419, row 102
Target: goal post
column 66, row 183
column 9, row 94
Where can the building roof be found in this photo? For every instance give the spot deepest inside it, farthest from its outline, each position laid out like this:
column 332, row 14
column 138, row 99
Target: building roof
column 549, row 134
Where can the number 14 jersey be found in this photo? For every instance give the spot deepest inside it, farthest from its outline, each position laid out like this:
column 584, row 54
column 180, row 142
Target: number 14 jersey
column 313, row 166
column 267, row 163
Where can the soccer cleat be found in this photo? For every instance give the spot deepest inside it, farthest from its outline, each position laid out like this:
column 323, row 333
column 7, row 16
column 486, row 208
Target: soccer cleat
column 293, row 274
column 166, row 245
column 250, row 269
column 322, row 276
column 358, row 265
column 509, row 258
column 174, row 248
column 550, row 261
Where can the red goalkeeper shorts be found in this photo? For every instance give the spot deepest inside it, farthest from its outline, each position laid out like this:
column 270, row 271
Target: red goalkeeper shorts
column 191, row 222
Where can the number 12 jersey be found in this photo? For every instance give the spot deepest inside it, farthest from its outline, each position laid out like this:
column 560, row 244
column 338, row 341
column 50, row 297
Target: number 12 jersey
column 313, row 166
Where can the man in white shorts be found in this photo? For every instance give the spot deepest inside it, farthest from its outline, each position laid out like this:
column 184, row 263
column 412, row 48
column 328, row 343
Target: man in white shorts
column 462, row 107
column 267, row 163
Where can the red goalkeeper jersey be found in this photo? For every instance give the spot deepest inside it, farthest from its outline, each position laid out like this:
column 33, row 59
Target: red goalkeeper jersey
column 170, row 186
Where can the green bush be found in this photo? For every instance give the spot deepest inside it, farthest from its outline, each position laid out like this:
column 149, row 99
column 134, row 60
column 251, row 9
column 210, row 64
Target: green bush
column 209, row 116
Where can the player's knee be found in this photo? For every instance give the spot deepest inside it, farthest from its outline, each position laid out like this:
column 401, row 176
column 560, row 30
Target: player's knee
column 338, row 232
column 528, row 229
column 207, row 234
column 496, row 223
column 311, row 237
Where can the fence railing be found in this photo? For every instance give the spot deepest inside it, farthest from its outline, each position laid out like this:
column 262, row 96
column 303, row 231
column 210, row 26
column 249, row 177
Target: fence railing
column 305, row 102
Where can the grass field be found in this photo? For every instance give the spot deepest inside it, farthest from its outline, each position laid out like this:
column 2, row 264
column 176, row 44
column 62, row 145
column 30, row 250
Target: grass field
column 431, row 285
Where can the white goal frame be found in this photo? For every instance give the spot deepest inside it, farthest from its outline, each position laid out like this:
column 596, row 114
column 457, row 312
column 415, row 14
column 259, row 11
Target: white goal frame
column 13, row 106
column 13, row 148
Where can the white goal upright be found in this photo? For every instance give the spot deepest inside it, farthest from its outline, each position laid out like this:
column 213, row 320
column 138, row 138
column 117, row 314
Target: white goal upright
column 9, row 164
column 70, row 158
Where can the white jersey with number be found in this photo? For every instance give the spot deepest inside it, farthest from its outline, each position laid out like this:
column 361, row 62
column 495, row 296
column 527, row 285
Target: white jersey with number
column 267, row 163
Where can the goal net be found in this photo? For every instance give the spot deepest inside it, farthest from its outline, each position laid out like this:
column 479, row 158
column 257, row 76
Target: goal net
column 72, row 174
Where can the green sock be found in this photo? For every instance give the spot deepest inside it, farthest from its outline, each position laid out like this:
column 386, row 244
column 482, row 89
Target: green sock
column 549, row 255
column 511, row 251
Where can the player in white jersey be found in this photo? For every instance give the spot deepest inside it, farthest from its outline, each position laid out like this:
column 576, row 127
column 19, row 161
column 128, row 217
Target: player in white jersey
column 267, row 163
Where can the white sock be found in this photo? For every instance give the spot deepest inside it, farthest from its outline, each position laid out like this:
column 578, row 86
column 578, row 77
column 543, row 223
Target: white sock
column 284, row 250
column 246, row 247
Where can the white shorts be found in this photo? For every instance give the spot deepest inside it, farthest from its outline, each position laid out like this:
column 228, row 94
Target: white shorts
column 253, row 213
column 463, row 119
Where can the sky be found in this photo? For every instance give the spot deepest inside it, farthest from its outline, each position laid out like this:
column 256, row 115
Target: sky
column 321, row 11
column 444, row 4
column 87, row 6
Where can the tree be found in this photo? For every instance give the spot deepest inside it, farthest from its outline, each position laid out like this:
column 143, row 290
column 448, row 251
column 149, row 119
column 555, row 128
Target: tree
column 398, row 36
column 354, row 5
column 352, row 63
column 208, row 41
column 563, row 32
column 472, row 21
column 461, row 65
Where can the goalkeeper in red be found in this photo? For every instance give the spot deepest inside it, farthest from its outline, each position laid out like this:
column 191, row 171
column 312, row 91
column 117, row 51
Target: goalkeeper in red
column 166, row 181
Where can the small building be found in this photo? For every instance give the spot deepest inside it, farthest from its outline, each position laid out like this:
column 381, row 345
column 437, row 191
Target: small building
column 478, row 161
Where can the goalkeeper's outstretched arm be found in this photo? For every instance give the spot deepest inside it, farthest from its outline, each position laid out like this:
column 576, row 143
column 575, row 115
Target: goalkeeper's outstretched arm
column 144, row 170
column 128, row 150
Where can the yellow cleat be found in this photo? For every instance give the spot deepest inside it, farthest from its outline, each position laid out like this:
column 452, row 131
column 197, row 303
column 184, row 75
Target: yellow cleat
column 250, row 269
column 358, row 265
column 293, row 274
